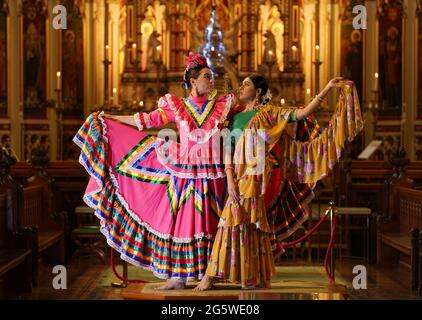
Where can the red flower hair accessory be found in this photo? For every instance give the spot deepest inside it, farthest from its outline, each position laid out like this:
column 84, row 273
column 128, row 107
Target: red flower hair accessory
column 194, row 60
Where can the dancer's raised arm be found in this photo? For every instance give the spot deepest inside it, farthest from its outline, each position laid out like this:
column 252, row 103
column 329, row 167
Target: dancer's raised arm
column 145, row 120
column 316, row 102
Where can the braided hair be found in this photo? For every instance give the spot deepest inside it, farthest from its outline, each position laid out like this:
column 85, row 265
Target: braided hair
column 260, row 82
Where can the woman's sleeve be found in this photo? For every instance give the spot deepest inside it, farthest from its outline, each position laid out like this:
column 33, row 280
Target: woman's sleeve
column 313, row 160
column 274, row 121
column 157, row 118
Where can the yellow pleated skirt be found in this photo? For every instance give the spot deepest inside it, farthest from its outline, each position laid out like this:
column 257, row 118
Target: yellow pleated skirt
column 242, row 252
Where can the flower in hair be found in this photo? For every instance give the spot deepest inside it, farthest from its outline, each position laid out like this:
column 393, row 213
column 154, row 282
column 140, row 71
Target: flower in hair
column 267, row 97
column 194, row 60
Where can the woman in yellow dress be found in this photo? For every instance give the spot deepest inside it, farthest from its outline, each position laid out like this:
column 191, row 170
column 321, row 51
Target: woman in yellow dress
column 242, row 248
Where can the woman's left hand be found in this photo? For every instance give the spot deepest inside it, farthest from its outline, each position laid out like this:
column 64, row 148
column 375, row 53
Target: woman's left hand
column 336, row 82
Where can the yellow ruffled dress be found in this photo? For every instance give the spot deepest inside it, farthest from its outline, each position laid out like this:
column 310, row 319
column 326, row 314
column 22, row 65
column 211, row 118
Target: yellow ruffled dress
column 242, row 251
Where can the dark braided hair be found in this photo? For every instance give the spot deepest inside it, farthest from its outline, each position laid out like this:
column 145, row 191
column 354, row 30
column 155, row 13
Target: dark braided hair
column 260, row 82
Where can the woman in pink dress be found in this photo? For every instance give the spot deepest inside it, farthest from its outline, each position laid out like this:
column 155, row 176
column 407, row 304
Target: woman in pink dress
column 159, row 200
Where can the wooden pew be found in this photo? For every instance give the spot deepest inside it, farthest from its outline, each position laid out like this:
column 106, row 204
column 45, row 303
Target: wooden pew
column 367, row 183
column 15, row 244
column 40, row 210
column 71, row 180
column 398, row 232
column 15, row 254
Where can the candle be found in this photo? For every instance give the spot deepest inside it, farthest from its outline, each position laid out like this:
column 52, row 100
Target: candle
column 115, row 96
column 317, row 52
column 294, row 49
column 59, row 82
column 308, row 91
column 141, row 103
column 107, row 48
column 134, row 51
column 376, row 81
column 282, row 101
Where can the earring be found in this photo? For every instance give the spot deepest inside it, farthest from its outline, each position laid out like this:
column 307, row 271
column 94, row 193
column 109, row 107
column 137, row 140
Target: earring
column 212, row 94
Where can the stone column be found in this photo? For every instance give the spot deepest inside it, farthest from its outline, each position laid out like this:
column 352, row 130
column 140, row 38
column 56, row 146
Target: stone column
column 409, row 77
column 114, row 8
column 15, row 77
column 370, row 67
column 53, row 50
column 89, row 57
column 99, row 16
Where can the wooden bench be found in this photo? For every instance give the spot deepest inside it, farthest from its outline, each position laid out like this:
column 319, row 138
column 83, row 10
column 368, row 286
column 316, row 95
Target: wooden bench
column 37, row 212
column 71, row 180
column 366, row 183
column 40, row 210
column 15, row 244
column 399, row 232
column 15, row 253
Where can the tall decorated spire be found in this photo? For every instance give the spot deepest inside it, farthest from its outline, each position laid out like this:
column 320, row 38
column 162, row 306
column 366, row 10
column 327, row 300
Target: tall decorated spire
column 213, row 48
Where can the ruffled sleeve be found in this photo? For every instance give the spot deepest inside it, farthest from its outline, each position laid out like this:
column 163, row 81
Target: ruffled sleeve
column 272, row 122
column 315, row 159
column 157, row 118
column 231, row 105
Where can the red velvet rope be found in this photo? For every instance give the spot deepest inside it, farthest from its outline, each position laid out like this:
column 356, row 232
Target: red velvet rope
column 306, row 235
column 330, row 244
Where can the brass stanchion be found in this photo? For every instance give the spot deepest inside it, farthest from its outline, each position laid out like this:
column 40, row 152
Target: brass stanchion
column 123, row 283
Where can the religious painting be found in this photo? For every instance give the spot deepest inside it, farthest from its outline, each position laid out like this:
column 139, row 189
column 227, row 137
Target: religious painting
column 351, row 47
column 72, row 62
column 419, row 64
column 34, row 58
column 3, row 61
column 390, row 59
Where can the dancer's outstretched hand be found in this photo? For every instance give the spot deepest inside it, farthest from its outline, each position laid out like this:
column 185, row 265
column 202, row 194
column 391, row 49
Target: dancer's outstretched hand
column 336, row 82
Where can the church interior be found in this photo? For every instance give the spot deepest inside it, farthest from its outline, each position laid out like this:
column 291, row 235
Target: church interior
column 120, row 56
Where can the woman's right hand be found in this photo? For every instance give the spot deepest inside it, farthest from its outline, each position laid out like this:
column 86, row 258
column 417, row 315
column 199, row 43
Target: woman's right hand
column 232, row 189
